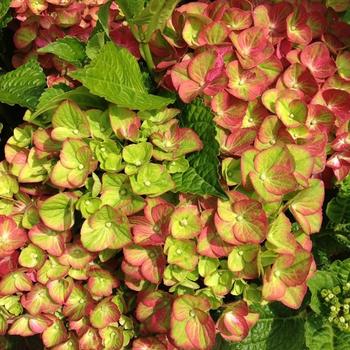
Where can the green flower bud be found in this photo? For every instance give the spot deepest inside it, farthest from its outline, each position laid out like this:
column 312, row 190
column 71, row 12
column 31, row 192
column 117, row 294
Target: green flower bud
column 336, row 290
column 324, row 292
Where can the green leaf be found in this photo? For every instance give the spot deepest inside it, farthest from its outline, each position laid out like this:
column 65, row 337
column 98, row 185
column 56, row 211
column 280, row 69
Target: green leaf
column 321, row 280
column 94, row 45
column 68, row 49
column 338, row 208
column 346, row 17
column 131, row 8
column 275, row 330
column 23, row 86
column 115, row 75
column 52, row 97
column 153, row 17
column 5, row 16
column 202, row 177
column 320, row 335
column 342, row 269
column 4, row 7
column 103, row 16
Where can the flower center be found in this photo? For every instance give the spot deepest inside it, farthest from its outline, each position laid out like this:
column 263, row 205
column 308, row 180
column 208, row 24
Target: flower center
column 183, row 222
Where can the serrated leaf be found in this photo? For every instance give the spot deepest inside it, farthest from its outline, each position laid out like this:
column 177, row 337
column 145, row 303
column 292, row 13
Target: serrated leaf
column 202, row 177
column 103, row 16
column 115, row 75
column 320, row 335
column 68, row 49
column 52, row 97
column 273, row 331
column 94, row 45
column 23, row 86
column 131, row 8
column 153, row 17
column 321, row 280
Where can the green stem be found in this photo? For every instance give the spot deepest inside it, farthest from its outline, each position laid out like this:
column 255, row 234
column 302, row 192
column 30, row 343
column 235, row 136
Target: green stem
column 146, row 54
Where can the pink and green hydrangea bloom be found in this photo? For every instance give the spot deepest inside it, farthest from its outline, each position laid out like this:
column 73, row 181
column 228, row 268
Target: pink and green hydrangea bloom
column 97, row 248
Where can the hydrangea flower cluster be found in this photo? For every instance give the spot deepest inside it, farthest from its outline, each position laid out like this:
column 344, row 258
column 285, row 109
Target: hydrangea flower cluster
column 44, row 21
column 272, row 73
column 73, row 199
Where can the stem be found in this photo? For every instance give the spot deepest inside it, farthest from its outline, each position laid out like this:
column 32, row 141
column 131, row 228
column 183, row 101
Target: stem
column 146, row 54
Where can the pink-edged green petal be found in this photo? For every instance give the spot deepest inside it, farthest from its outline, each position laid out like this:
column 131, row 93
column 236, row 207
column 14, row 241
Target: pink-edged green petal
column 69, row 121
column 308, row 201
column 182, row 253
column 184, row 304
column 319, row 117
column 59, row 290
column 298, row 31
column 104, row 313
column 57, row 211
column 304, row 163
column 192, row 28
column 272, row 68
column 201, row 331
column 214, row 33
column 317, row 59
column 49, row 240
column 105, row 229
column 90, row 339
column 27, row 325
column 101, row 282
column 310, row 223
column 338, row 102
column 280, row 235
column 31, row 256
column 14, row 282
column 12, row 237
column 293, row 270
column 51, row 270
column 76, row 256
column 247, row 164
column 237, row 19
column 245, row 84
column 343, row 65
column 125, row 123
column 38, row 301
column 252, row 45
column 299, row 77
column 153, row 311
column 294, row 296
column 55, row 334
column 78, row 304
column 273, row 288
column 70, row 344
column 250, row 222
column 112, row 337
column 185, row 222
